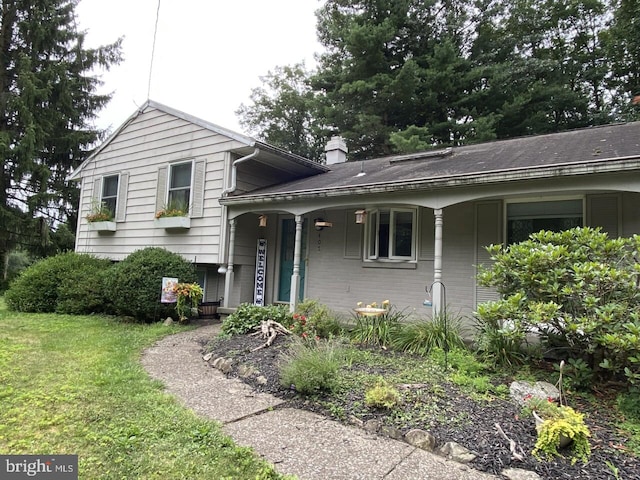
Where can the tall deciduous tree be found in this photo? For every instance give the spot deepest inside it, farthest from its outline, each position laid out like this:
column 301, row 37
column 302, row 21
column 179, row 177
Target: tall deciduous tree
column 284, row 112
column 48, row 100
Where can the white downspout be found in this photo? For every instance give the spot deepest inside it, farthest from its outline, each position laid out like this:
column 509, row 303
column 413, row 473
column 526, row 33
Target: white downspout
column 234, row 174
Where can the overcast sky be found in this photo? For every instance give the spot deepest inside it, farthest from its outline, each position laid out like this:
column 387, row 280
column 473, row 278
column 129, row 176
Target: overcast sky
column 209, row 54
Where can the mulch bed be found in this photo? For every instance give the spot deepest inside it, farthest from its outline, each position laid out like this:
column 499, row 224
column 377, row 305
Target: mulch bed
column 453, row 416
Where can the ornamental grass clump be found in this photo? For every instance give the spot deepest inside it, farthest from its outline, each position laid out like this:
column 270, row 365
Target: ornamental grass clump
column 375, row 325
column 312, row 367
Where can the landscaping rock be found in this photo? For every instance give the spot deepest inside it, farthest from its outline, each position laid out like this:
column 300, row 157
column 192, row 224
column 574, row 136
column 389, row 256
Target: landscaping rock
column 372, row 426
column 353, row 420
column 391, row 432
column 421, row 439
column 168, row 322
column 261, row 380
column 456, row 452
column 520, row 390
column 223, row 364
column 520, row 474
column 245, row 371
column 207, row 357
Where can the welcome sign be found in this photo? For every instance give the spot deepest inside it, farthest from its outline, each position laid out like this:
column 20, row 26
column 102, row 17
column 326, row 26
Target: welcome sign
column 261, row 269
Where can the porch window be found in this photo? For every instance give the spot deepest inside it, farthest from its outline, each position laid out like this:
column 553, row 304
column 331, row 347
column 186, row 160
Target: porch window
column 526, row 218
column 391, row 234
column 179, row 186
column 109, row 197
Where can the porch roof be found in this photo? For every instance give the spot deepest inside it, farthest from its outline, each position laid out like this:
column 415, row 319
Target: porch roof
column 607, row 148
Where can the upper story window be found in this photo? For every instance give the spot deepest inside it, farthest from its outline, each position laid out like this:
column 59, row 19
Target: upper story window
column 180, row 186
column 109, row 196
column 525, row 218
column 391, row 234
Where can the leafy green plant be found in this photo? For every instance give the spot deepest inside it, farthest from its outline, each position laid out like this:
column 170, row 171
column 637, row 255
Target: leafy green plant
column 68, row 283
column 577, row 289
column 247, row 316
column 188, row 295
column 312, row 367
column 382, row 395
column 420, row 337
column 134, row 285
column 312, row 319
column 577, row 373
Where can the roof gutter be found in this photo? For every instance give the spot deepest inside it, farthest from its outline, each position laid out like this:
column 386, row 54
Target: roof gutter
column 546, row 171
column 234, row 171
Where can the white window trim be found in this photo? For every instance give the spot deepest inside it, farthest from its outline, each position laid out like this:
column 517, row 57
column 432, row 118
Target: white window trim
column 191, row 182
column 369, row 230
column 101, row 193
column 559, row 198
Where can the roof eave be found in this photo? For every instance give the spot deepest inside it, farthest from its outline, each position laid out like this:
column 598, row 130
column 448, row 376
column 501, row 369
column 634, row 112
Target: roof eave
column 500, row 176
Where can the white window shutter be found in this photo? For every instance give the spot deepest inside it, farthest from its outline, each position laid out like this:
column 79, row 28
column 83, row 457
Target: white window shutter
column 96, row 196
column 197, row 200
column 161, row 190
column 123, row 188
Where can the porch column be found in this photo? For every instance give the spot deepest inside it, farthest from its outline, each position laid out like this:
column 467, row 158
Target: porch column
column 228, row 279
column 295, row 277
column 436, row 291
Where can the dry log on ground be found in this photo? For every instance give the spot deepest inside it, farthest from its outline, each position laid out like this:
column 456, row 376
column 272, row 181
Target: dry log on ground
column 269, row 330
column 512, row 444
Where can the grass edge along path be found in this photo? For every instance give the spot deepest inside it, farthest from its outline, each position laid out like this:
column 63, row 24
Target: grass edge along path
column 75, row 385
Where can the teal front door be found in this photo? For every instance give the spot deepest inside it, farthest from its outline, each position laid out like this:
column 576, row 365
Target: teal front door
column 287, row 245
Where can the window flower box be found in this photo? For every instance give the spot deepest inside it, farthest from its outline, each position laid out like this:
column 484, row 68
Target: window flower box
column 104, row 226
column 173, row 223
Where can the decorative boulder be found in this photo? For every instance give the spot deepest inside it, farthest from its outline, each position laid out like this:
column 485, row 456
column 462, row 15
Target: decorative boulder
column 521, row 391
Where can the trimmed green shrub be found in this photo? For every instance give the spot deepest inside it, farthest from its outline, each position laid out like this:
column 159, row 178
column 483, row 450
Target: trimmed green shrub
column 578, row 289
column 67, row 283
column 312, row 367
column 420, row 337
column 134, row 285
column 248, row 316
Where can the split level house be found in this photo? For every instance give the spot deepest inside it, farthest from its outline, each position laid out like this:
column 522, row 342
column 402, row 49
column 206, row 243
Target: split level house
column 268, row 226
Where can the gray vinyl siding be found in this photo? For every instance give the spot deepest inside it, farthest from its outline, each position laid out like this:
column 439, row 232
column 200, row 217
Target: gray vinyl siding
column 152, row 141
column 341, row 281
column 488, row 232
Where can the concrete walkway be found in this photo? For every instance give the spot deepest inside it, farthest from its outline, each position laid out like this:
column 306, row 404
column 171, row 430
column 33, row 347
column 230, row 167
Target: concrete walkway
column 296, row 442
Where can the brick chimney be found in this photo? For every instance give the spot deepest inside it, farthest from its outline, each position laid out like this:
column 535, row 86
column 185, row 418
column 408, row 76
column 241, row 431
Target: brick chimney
column 336, row 150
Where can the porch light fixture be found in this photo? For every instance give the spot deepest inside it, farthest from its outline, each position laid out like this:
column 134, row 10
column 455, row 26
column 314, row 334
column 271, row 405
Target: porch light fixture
column 320, row 224
column 262, row 221
column 361, row 216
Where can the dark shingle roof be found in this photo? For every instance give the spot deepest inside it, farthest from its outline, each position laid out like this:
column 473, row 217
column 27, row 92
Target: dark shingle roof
column 607, row 143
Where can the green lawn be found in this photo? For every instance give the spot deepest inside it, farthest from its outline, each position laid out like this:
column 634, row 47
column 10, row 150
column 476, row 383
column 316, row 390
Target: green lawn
column 74, row 385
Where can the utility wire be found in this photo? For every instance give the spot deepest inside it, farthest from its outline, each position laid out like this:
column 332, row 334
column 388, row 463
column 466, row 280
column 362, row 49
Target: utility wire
column 153, row 49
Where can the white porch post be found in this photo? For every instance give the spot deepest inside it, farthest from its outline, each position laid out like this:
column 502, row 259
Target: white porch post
column 295, row 277
column 228, row 279
column 437, row 263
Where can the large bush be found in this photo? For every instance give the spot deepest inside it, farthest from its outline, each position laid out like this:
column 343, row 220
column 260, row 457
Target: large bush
column 578, row 289
column 134, row 284
column 66, row 283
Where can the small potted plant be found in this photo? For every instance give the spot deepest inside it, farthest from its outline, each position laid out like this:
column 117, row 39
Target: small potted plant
column 174, row 215
column 559, row 426
column 100, row 218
